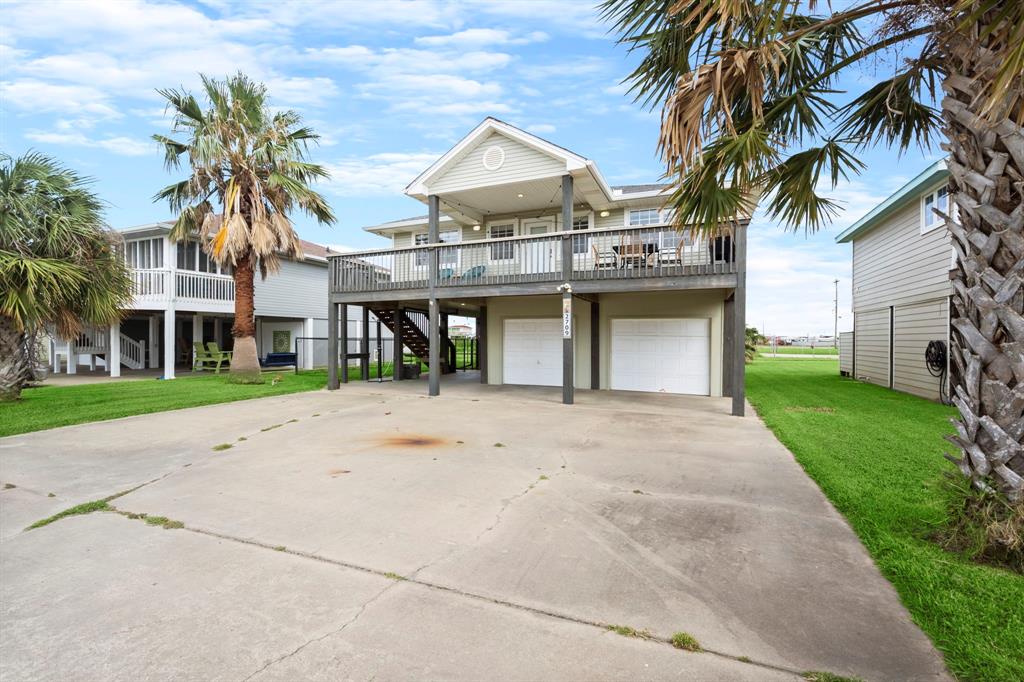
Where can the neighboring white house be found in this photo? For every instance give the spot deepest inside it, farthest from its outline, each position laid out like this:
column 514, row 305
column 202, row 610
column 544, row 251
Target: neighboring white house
column 528, row 238
column 902, row 256
column 182, row 296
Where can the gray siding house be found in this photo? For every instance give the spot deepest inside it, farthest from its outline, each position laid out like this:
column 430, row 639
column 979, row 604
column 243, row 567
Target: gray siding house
column 182, row 296
column 572, row 282
column 902, row 256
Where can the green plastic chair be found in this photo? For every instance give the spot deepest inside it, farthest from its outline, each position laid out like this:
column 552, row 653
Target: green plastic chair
column 475, row 272
column 217, row 355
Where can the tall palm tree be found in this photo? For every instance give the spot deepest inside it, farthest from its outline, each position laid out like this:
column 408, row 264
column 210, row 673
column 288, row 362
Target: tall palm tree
column 248, row 172
column 746, row 90
column 60, row 267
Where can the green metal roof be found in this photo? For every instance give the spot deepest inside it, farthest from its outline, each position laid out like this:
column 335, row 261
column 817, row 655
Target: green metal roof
column 908, row 192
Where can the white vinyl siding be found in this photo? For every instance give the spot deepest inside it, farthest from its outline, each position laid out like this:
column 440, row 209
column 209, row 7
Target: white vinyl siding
column 872, row 352
column 915, row 325
column 298, row 289
column 894, row 264
column 846, row 353
column 939, row 199
column 521, row 163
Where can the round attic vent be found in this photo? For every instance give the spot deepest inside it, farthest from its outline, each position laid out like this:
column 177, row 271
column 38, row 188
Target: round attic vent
column 494, row 157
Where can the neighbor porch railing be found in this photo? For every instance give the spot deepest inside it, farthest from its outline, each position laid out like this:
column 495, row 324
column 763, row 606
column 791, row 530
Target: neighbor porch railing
column 154, row 285
column 619, row 253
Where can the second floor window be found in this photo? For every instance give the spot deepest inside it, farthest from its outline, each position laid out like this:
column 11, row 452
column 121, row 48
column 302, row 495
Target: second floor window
column 581, row 242
column 644, row 216
column 447, row 257
column 192, row 257
column 504, row 250
column 144, row 253
column 939, row 199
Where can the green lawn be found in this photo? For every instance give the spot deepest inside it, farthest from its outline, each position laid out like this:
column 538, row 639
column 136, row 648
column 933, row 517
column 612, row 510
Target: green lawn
column 50, row 406
column 877, row 455
column 799, row 350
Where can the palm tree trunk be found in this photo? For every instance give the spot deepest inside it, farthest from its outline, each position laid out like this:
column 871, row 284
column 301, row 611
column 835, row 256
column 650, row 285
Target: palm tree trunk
column 15, row 368
column 986, row 167
column 245, row 361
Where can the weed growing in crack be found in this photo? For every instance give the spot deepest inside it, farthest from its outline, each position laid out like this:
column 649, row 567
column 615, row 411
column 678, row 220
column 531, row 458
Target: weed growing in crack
column 271, row 427
column 77, row 510
column 820, row 676
column 393, row 576
column 627, row 631
column 222, row 446
column 162, row 521
column 686, row 641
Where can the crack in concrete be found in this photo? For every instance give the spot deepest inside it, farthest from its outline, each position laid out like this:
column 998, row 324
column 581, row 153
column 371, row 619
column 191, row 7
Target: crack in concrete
column 496, row 601
column 322, row 637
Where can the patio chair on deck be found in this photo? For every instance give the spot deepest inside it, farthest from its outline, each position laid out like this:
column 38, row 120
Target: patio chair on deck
column 475, row 272
column 604, row 259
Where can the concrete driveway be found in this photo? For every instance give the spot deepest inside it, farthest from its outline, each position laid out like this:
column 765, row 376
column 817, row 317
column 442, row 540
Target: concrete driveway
column 491, row 533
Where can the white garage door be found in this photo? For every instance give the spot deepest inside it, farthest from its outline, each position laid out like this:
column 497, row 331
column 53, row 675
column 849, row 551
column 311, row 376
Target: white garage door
column 661, row 355
column 532, row 352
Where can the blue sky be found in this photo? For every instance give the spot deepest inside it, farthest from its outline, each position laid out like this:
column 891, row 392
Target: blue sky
column 390, row 85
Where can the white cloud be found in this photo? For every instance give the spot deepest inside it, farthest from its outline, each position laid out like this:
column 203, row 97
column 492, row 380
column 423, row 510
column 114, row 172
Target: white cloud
column 387, row 173
column 541, row 128
column 482, row 36
column 120, row 145
column 38, row 96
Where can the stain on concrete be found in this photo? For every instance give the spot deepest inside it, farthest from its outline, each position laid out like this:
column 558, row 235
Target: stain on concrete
column 410, row 441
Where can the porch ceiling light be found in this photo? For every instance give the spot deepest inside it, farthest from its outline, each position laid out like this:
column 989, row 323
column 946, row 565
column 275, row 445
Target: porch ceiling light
column 605, row 214
column 476, row 228
column 520, row 195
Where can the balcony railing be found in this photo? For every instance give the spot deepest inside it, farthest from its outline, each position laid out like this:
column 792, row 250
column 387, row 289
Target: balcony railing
column 621, row 253
column 153, row 285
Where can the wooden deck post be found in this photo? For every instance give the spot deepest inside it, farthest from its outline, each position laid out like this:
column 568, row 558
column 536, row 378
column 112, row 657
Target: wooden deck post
column 595, row 345
column 728, row 341
column 364, row 347
column 739, row 366
column 481, row 343
column 343, row 361
column 568, row 359
column 434, row 325
column 332, row 346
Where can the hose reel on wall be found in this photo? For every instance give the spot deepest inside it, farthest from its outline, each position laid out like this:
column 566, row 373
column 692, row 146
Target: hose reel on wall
column 935, row 358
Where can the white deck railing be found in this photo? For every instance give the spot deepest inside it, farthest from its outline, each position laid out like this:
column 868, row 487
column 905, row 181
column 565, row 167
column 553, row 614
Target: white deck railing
column 153, row 285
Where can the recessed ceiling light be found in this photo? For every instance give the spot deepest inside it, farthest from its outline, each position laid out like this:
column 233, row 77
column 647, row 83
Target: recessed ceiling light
column 476, row 228
column 520, row 196
column 604, row 214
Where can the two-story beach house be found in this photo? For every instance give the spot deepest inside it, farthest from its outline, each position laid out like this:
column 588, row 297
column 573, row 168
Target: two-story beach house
column 902, row 256
column 572, row 282
column 182, row 296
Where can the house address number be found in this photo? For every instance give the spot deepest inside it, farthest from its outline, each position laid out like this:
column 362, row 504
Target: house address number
column 566, row 318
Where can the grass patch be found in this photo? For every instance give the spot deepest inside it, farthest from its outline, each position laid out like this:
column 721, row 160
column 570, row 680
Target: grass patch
column 280, row 548
column 983, row 526
column 77, row 510
column 393, row 576
column 799, row 350
column 878, row 458
column 543, row 478
column 627, row 631
column 499, row 445
column 162, row 521
column 222, row 446
column 819, row 676
column 47, row 407
column 686, row 641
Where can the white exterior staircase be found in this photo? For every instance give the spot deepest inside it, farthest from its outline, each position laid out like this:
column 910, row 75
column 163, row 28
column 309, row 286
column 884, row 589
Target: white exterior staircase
column 95, row 342
column 133, row 353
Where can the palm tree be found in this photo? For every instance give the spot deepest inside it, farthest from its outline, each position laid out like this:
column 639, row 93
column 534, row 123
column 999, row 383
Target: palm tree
column 746, row 89
column 247, row 173
column 60, row 267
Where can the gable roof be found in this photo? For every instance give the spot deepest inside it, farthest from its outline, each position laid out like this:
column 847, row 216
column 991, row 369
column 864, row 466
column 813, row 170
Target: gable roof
column 573, row 161
column 909, row 192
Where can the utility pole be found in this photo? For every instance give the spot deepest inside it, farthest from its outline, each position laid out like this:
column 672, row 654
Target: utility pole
column 835, row 328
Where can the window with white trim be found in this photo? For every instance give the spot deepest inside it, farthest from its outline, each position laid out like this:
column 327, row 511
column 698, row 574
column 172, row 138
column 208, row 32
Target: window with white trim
column 644, row 216
column 581, row 242
column 144, row 253
column 502, row 250
column 192, row 257
column 939, row 199
column 446, row 256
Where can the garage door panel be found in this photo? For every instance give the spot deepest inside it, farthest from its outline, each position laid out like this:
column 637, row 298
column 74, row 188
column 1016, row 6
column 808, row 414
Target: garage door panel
column 532, row 352
column 669, row 355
